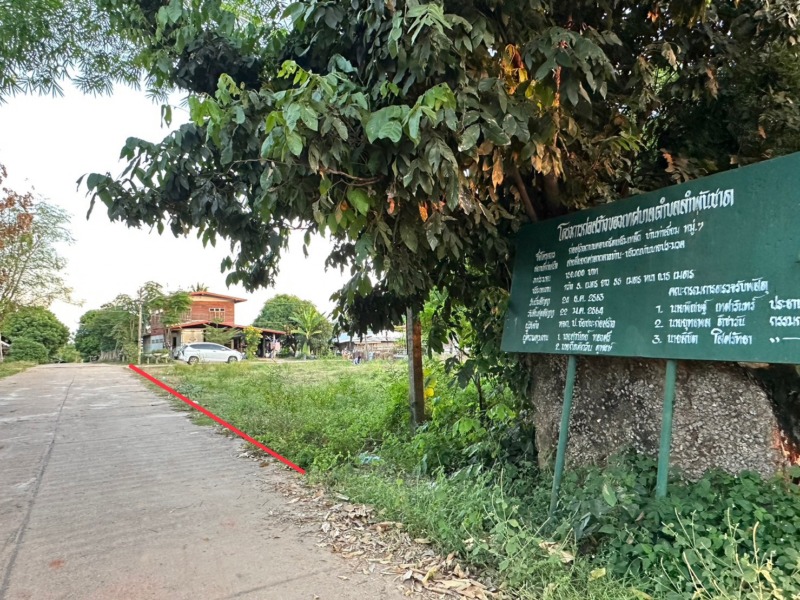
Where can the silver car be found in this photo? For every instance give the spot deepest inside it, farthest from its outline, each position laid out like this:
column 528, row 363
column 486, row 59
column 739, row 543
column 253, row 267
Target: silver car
column 207, row 352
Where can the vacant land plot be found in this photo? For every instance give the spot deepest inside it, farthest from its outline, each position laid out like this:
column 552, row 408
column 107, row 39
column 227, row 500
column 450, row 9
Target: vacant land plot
column 469, row 482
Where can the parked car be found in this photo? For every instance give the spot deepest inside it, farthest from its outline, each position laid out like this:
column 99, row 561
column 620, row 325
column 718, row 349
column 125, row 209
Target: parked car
column 207, row 352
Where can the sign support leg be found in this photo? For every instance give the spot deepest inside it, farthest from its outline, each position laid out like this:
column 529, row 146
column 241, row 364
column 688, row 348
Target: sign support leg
column 666, row 429
column 563, row 433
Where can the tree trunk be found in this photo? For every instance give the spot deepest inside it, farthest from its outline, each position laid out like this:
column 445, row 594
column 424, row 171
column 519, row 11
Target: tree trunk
column 416, row 389
column 724, row 418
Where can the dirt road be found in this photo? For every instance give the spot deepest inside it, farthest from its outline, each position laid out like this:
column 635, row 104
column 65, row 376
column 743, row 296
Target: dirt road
column 106, row 492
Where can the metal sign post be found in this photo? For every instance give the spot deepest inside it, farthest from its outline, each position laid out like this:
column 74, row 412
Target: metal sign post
column 666, row 429
column 563, row 433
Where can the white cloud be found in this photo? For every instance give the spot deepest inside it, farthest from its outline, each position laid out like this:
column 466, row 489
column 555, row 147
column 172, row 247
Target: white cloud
column 47, row 143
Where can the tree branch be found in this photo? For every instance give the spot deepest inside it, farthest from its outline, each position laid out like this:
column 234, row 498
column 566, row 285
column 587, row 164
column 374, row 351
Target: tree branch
column 523, row 193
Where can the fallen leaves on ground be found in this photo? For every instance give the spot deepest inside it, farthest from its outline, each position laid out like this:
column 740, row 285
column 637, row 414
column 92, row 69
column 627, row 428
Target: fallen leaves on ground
column 356, row 532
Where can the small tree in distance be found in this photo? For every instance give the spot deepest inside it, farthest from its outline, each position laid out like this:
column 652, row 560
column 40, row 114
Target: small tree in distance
column 172, row 308
column 218, row 335
column 252, row 339
column 308, row 324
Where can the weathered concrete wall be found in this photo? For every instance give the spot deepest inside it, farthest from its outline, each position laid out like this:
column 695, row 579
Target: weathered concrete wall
column 723, row 418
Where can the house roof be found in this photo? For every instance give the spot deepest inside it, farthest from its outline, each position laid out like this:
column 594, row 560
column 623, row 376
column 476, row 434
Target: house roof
column 200, row 295
column 230, row 324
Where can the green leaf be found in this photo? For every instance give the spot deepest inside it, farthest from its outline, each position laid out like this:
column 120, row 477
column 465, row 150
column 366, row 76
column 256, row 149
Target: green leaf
column 469, row 138
column 412, row 125
column 341, row 63
column 609, row 495
column 95, row 180
column 340, row 128
column 273, row 119
column 310, row 118
column 294, row 10
column 386, row 123
column 409, row 236
column 292, row 115
column 324, row 185
column 597, row 573
column 174, row 11
column 572, row 91
column 294, row 142
column 358, row 199
column 227, row 153
column 495, row 134
column 545, row 68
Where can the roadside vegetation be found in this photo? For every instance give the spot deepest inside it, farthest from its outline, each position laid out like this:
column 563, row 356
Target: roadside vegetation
column 12, row 367
column 469, row 481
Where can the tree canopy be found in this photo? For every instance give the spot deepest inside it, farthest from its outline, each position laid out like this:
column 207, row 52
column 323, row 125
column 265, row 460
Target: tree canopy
column 296, row 317
column 114, row 327
column 419, row 136
column 37, row 325
column 278, row 311
column 30, row 264
column 45, row 42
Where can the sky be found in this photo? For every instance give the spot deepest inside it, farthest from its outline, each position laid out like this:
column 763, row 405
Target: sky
column 47, row 143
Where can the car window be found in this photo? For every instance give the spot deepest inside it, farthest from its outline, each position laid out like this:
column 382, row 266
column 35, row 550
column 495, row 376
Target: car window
column 202, row 346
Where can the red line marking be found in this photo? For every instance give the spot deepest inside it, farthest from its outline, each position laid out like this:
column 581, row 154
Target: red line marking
column 222, row 422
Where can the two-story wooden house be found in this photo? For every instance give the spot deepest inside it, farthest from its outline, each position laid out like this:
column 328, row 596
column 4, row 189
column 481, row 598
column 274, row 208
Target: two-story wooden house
column 208, row 309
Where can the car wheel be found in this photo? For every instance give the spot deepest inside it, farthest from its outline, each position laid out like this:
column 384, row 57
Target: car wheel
column 193, row 360
column 232, row 359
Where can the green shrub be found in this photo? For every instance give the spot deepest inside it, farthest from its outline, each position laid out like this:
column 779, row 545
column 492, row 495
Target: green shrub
column 68, row 354
column 36, row 324
column 690, row 541
column 27, row 350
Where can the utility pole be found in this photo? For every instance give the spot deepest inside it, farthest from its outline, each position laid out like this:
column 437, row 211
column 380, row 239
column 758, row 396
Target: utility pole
column 139, row 339
column 416, row 391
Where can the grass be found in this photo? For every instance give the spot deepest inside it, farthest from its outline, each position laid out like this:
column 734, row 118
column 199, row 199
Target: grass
column 335, row 418
column 313, row 412
column 469, row 482
column 12, row 367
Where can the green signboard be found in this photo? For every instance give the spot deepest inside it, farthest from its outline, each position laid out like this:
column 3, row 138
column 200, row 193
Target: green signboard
column 706, row 270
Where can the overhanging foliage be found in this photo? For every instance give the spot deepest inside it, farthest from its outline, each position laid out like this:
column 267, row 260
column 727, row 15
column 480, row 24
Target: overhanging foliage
column 418, row 136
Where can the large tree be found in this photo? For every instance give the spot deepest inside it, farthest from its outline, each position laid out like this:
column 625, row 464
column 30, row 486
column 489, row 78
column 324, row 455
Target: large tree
column 283, row 311
column 30, row 264
column 278, row 311
column 46, row 42
column 38, row 325
column 98, row 331
column 420, row 136
column 114, row 327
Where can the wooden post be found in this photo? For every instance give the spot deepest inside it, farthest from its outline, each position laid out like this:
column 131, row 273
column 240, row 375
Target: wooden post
column 563, row 433
column 415, row 388
column 666, row 429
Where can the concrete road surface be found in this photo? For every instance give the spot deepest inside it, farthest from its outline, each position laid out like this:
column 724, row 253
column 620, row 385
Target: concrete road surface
column 107, row 493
